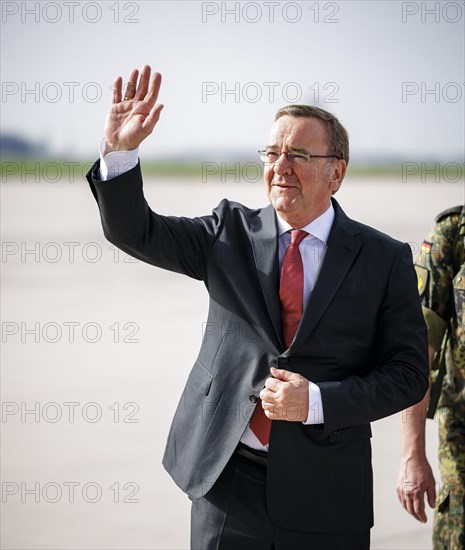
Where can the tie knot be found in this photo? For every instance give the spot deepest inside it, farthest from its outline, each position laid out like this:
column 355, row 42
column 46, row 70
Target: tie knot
column 297, row 236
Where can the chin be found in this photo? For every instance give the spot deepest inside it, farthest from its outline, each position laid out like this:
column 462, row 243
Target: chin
column 282, row 204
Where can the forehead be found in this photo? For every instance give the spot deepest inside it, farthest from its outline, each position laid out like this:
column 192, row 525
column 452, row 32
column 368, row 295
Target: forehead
column 299, row 132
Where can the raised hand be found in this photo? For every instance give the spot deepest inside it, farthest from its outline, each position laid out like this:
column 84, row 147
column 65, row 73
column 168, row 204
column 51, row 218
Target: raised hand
column 132, row 118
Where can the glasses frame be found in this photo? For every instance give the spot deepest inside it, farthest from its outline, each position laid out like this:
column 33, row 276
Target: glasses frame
column 307, row 156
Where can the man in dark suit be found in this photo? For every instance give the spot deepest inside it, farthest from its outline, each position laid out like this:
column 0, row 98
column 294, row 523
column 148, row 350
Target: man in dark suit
column 314, row 330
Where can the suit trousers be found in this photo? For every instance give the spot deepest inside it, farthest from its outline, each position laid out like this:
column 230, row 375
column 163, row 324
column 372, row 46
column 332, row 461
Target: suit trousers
column 233, row 515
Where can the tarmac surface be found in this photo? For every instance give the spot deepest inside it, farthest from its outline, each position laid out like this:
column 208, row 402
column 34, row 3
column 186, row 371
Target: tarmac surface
column 96, row 350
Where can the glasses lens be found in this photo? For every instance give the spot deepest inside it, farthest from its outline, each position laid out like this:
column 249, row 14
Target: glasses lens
column 269, row 156
column 298, row 159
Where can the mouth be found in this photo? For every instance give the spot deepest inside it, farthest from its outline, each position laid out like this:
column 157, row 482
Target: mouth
column 284, row 186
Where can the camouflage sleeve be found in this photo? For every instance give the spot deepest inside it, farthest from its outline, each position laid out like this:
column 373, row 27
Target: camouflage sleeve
column 435, row 272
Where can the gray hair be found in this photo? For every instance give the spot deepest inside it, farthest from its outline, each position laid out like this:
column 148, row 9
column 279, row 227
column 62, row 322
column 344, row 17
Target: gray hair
column 338, row 136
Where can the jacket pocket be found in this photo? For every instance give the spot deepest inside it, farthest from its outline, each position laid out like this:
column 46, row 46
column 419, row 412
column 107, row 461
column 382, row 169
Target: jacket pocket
column 200, row 379
column 350, row 434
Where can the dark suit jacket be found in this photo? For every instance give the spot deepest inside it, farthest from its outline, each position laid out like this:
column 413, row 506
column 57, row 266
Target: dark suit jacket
column 362, row 339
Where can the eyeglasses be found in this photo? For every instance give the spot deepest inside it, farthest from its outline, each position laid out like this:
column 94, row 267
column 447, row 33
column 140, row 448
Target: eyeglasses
column 270, row 157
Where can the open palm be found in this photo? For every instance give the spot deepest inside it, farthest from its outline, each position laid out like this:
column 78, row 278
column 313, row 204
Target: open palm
column 132, row 118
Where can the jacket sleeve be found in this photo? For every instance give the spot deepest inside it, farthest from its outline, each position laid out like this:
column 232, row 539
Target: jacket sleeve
column 399, row 376
column 174, row 243
column 435, row 269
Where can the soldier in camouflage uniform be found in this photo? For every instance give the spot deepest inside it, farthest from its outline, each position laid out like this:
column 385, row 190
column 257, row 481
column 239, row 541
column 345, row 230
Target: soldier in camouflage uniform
column 440, row 269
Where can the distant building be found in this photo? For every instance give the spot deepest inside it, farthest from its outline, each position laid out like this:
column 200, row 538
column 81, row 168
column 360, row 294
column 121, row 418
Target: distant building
column 12, row 146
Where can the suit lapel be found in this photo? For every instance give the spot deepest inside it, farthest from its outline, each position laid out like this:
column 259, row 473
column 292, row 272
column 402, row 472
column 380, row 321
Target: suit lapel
column 264, row 238
column 341, row 251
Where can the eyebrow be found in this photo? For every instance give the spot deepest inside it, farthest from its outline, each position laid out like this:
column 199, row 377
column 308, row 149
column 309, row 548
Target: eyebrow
column 293, row 149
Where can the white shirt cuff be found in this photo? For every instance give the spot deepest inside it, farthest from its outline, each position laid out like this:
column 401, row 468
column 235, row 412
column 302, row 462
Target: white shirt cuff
column 315, row 410
column 117, row 162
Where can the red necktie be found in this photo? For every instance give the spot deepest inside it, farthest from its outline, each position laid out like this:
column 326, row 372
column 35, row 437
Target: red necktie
column 291, row 291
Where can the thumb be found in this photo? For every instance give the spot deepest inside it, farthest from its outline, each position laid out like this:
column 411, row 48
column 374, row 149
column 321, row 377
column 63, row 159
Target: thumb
column 282, row 374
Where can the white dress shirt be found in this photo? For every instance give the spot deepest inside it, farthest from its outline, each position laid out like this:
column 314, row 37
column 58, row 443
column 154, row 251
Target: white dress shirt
column 312, row 249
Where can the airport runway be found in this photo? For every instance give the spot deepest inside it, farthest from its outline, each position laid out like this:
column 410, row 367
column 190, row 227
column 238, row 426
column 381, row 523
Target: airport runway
column 92, row 368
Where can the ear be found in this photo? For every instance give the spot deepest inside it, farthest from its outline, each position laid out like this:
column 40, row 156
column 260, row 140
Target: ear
column 337, row 175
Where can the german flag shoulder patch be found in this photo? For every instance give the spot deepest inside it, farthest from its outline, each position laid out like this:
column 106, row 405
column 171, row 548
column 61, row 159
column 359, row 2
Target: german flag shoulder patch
column 426, row 247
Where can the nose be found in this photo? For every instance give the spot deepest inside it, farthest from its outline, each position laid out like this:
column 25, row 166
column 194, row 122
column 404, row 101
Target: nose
column 282, row 165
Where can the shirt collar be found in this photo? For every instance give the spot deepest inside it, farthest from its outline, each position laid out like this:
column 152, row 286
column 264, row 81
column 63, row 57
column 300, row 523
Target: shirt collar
column 319, row 228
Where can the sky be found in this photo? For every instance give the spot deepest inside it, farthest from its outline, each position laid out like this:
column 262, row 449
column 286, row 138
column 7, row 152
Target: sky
column 393, row 72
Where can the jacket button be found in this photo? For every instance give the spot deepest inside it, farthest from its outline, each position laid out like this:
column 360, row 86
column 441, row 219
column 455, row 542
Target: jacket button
column 282, row 360
column 253, row 398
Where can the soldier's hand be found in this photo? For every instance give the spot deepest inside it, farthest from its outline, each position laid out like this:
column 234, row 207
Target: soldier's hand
column 415, row 481
column 285, row 396
column 133, row 117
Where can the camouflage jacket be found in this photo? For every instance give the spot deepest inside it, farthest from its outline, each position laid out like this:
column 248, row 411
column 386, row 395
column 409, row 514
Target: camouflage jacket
column 440, row 268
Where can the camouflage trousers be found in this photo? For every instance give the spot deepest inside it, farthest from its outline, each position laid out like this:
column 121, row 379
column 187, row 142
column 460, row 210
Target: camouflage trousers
column 449, row 516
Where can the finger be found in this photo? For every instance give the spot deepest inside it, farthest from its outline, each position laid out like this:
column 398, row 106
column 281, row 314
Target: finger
column 431, row 494
column 131, row 85
column 272, row 384
column 155, row 83
column 149, row 123
column 406, row 500
column 117, row 87
column 143, row 83
column 413, row 505
column 284, row 375
column 419, row 508
column 271, row 411
column 267, row 396
column 408, row 504
column 402, row 497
